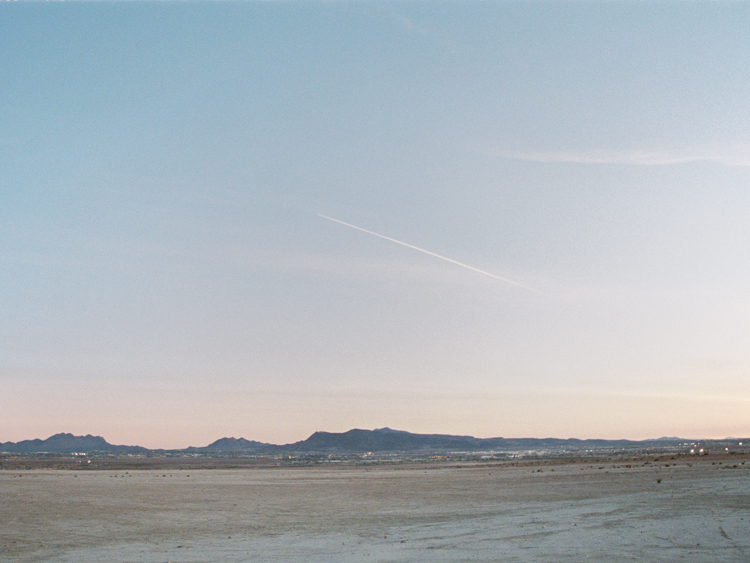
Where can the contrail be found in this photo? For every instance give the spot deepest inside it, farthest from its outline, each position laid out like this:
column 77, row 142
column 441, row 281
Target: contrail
column 506, row 280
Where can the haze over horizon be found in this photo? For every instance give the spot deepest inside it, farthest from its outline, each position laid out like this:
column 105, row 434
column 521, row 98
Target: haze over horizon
column 168, row 276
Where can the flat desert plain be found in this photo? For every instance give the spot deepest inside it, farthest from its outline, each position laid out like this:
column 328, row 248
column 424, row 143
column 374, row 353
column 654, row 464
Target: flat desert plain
column 691, row 509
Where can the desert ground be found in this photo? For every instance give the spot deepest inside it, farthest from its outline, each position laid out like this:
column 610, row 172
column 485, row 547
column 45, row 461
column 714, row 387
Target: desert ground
column 687, row 509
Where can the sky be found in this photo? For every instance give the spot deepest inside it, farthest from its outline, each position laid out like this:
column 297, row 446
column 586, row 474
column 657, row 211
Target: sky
column 170, row 273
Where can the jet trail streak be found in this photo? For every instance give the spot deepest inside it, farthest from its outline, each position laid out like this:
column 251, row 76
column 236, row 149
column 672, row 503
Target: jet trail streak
column 435, row 255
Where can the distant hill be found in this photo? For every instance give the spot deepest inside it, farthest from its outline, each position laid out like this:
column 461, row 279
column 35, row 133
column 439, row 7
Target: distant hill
column 233, row 445
column 385, row 440
column 68, row 443
column 388, row 440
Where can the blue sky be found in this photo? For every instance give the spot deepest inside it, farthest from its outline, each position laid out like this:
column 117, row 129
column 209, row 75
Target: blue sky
column 166, row 279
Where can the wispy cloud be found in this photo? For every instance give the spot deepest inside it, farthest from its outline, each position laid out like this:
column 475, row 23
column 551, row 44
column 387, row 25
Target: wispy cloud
column 737, row 155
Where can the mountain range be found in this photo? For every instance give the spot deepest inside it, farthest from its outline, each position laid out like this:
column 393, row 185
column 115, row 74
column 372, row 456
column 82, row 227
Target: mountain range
column 68, row 443
column 381, row 440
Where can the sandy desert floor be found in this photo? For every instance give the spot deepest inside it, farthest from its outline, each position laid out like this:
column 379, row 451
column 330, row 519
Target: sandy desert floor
column 699, row 510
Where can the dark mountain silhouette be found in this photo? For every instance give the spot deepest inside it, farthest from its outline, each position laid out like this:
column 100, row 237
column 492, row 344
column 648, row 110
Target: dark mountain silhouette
column 388, row 440
column 233, row 445
column 68, row 443
column 385, row 440
column 353, row 441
